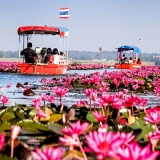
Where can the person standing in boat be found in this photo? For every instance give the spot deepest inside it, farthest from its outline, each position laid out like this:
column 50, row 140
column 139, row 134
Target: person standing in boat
column 29, row 54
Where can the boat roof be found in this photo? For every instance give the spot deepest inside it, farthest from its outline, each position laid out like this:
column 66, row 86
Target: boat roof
column 128, row 48
column 27, row 30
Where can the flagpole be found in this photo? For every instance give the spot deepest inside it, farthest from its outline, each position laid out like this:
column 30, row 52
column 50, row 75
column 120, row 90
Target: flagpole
column 140, row 46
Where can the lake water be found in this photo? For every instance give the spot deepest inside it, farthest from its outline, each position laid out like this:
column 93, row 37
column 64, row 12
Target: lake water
column 16, row 95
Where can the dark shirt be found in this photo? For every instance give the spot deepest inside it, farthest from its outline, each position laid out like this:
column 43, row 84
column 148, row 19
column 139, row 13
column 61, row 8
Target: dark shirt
column 29, row 55
column 47, row 57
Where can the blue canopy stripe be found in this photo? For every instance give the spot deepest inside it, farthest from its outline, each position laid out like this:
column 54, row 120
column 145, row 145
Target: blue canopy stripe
column 129, row 48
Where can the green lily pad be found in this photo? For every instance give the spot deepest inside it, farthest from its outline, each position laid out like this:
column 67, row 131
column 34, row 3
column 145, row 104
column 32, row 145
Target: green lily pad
column 90, row 117
column 55, row 127
column 5, row 157
column 146, row 128
column 5, row 126
column 8, row 116
column 20, row 113
column 32, row 126
column 32, row 113
column 55, row 118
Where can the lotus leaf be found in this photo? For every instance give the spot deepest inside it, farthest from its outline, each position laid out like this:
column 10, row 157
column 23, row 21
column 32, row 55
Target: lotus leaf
column 5, row 126
column 55, row 118
column 32, row 113
column 90, row 117
column 146, row 128
column 32, row 126
column 4, row 157
column 8, row 116
column 55, row 127
column 20, row 113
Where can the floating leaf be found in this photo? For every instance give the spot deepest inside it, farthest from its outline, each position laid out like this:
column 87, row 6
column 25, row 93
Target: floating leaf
column 55, row 127
column 20, row 113
column 4, row 157
column 9, row 109
column 55, row 118
column 90, row 117
column 33, row 126
column 8, row 116
column 131, row 119
column 146, row 128
column 5, row 126
column 32, row 113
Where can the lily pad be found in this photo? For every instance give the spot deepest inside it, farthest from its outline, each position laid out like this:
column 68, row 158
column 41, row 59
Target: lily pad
column 146, row 128
column 55, row 118
column 32, row 126
column 55, row 127
column 90, row 117
column 8, row 116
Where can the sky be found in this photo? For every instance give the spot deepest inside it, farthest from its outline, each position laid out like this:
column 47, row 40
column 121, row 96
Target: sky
column 92, row 24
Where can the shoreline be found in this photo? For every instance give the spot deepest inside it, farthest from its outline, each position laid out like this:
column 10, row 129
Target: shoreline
column 109, row 62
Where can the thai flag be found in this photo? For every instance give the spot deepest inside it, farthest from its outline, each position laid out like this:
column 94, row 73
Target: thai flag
column 64, row 13
column 100, row 49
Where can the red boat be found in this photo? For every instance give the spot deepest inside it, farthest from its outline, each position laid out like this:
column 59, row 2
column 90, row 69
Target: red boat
column 43, row 68
column 126, row 65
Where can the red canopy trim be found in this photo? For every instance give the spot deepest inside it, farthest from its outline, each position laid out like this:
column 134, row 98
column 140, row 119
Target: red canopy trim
column 43, row 30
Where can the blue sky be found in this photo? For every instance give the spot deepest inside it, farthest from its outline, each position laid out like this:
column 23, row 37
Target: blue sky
column 92, row 23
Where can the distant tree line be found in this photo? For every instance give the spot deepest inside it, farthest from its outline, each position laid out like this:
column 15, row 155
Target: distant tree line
column 88, row 55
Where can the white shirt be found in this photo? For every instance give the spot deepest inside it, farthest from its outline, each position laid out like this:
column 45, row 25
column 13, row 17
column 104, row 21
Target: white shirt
column 56, row 59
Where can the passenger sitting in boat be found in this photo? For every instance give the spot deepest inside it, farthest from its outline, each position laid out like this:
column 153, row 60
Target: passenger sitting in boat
column 135, row 60
column 62, row 57
column 51, row 59
column 138, row 61
column 126, row 60
column 130, row 60
column 29, row 54
column 56, row 56
column 43, row 54
column 123, row 59
column 48, row 55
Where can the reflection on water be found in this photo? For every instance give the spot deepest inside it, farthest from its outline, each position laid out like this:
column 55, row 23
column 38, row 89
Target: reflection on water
column 16, row 95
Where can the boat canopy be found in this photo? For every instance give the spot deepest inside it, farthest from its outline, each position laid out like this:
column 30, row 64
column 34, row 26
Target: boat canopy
column 27, row 30
column 128, row 48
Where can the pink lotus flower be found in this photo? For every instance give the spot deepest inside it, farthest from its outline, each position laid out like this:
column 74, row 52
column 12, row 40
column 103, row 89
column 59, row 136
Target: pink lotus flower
column 4, row 100
column 99, row 116
column 60, row 91
column 135, row 152
column 142, row 101
column 8, row 85
column 81, row 103
column 126, row 137
column 75, row 129
column 2, row 140
column 123, row 121
column 103, row 144
column 69, row 141
column 37, row 103
column 153, row 138
column 41, row 114
column 48, row 153
column 153, row 117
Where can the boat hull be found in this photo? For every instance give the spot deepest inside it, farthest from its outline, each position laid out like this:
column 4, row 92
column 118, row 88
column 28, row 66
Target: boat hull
column 127, row 66
column 52, row 69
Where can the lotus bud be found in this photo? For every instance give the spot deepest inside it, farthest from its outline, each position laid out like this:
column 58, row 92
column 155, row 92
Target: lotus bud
column 14, row 132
